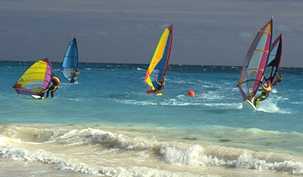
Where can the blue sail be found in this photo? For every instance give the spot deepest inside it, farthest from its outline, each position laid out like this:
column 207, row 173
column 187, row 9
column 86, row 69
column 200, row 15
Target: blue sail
column 70, row 61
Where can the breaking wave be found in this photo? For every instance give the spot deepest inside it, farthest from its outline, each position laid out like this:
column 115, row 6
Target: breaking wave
column 66, row 165
column 171, row 153
column 271, row 106
column 195, row 155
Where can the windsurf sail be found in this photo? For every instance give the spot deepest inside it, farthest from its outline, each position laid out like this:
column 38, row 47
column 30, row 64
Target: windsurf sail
column 36, row 79
column 71, row 60
column 274, row 60
column 158, row 66
column 252, row 72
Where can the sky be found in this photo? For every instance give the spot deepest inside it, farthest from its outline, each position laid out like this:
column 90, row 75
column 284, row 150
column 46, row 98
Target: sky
column 207, row 32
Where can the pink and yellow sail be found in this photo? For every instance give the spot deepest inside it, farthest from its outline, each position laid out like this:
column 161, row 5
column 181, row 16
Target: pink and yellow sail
column 158, row 66
column 36, row 79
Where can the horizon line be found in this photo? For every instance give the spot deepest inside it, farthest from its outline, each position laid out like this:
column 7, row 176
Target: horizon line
column 114, row 63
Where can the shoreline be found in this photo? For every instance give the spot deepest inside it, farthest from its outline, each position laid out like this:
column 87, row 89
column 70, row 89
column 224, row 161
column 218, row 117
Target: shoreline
column 134, row 150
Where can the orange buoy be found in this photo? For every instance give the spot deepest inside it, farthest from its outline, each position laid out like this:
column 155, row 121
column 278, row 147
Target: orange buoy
column 191, row 93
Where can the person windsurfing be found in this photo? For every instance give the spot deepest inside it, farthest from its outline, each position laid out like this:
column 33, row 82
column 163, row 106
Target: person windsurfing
column 158, row 86
column 254, row 67
column 52, row 88
column 74, row 76
column 158, row 66
column 265, row 90
column 70, row 65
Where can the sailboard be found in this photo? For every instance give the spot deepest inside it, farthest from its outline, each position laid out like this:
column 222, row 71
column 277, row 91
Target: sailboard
column 274, row 60
column 158, row 66
column 70, row 63
column 36, row 79
column 252, row 72
column 37, row 97
column 250, row 105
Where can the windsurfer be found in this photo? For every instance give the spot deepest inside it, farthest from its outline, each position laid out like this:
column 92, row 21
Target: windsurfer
column 265, row 90
column 158, row 86
column 74, row 75
column 53, row 87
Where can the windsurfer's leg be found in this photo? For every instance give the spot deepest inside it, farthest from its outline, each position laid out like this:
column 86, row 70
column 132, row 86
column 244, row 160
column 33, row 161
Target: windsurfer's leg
column 47, row 93
column 255, row 101
column 42, row 95
column 157, row 92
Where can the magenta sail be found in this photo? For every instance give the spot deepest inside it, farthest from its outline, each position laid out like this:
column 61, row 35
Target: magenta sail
column 253, row 69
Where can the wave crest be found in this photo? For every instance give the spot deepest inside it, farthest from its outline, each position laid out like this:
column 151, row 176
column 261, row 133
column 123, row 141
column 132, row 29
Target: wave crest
column 188, row 156
column 195, row 156
column 108, row 139
column 62, row 164
column 168, row 152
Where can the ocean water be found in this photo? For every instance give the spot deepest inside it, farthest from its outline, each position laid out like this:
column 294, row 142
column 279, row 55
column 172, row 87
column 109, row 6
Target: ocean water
column 106, row 125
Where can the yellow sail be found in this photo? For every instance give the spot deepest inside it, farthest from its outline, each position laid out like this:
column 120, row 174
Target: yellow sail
column 160, row 52
column 35, row 79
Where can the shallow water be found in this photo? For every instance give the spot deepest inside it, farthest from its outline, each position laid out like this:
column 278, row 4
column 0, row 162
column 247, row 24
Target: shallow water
column 106, row 125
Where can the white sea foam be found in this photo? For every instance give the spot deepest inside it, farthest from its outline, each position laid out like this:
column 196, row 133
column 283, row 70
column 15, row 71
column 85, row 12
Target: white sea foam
column 137, row 102
column 271, row 106
column 195, row 156
column 167, row 102
column 168, row 152
column 181, row 100
column 274, row 91
column 211, row 95
column 187, row 156
column 45, row 158
column 140, row 69
column 96, row 136
column 68, row 165
column 183, row 82
column 225, row 105
column 177, row 102
column 75, row 99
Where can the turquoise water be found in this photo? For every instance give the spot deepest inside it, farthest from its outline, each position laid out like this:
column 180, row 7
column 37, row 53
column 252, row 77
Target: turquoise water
column 108, row 109
column 116, row 93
